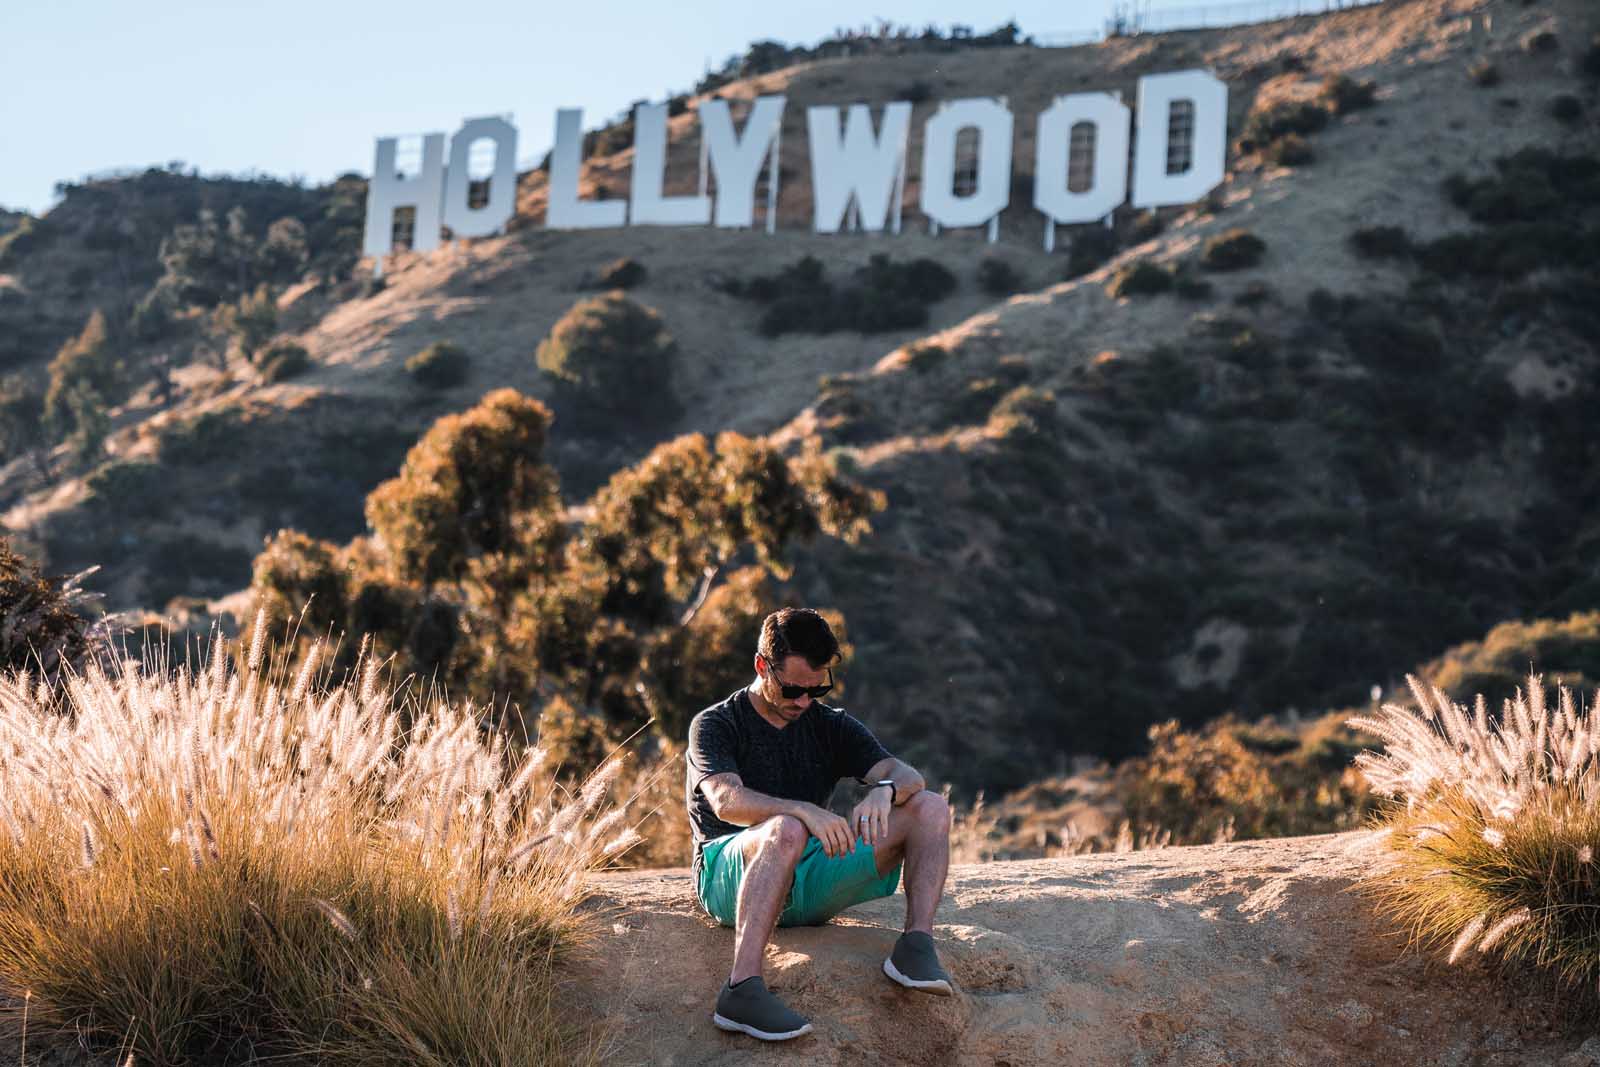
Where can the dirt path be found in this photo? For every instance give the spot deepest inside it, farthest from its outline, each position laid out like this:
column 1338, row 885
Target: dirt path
column 1241, row 954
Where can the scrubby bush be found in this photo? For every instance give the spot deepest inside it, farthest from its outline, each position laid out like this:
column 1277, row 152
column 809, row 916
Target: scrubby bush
column 1541, row 42
column 622, row 273
column 883, row 295
column 250, row 322
column 29, row 234
column 1253, row 295
column 1381, row 242
column 206, row 438
column 85, row 373
column 1567, row 650
column 309, row 866
column 1189, row 287
column 282, row 361
column 1140, row 278
column 1091, row 246
column 1145, row 226
column 44, row 627
column 1484, row 74
column 152, row 316
column 1564, row 107
column 1270, row 124
column 1233, row 249
column 924, row 356
column 615, row 354
column 997, row 277
column 1530, row 185
column 1591, row 57
column 1290, row 150
column 442, row 365
column 1229, row 780
column 1344, row 94
column 21, row 416
column 1495, row 827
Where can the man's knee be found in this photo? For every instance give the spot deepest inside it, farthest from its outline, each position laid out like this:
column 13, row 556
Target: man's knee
column 931, row 812
column 783, row 836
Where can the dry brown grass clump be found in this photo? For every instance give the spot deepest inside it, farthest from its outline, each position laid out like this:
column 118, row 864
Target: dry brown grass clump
column 192, row 859
column 1494, row 835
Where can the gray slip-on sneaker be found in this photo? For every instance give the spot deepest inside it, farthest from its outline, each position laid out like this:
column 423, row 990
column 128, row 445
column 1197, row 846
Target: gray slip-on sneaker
column 915, row 965
column 750, row 1008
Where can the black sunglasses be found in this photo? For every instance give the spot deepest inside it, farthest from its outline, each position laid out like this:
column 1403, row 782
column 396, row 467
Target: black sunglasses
column 792, row 692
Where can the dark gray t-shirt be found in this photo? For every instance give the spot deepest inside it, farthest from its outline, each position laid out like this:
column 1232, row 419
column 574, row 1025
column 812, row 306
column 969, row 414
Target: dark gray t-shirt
column 802, row 761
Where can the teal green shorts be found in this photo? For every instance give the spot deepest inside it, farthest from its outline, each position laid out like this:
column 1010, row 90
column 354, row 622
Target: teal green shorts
column 823, row 887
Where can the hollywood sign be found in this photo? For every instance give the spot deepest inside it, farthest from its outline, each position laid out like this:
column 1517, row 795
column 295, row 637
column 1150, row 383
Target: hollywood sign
column 858, row 171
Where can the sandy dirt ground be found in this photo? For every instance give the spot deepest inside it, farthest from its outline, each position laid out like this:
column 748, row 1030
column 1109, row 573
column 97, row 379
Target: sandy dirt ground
column 1252, row 953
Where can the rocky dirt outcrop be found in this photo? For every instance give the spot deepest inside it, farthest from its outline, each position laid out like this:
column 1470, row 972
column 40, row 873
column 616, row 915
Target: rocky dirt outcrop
column 1254, row 953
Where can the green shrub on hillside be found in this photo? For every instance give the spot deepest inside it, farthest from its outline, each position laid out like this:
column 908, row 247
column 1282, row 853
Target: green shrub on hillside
column 1291, row 150
column 997, row 277
column 883, row 295
column 624, row 273
column 1090, row 246
column 1268, row 125
column 1234, row 249
column 87, row 371
column 615, row 354
column 924, row 356
column 442, row 365
column 1530, row 185
column 21, row 416
column 1228, row 780
column 1381, row 242
column 209, row 437
column 1142, row 277
column 283, row 360
column 1590, row 65
column 31, row 233
column 1567, row 651
column 1344, row 94
column 129, row 489
column 1564, row 107
column 250, row 322
column 1483, row 73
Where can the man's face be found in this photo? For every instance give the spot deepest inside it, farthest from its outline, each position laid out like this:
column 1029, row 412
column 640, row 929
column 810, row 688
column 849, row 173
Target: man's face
column 793, row 671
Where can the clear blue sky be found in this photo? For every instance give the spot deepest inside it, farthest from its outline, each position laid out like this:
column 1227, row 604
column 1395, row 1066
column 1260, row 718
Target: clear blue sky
column 303, row 88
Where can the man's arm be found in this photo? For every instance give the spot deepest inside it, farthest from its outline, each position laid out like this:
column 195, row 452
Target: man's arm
column 907, row 782
column 734, row 802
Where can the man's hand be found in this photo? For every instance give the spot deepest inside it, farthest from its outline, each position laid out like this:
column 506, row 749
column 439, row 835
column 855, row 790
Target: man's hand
column 830, row 829
column 870, row 818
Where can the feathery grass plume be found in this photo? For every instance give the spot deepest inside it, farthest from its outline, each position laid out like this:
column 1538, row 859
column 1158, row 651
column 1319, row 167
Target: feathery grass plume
column 173, row 843
column 1491, row 827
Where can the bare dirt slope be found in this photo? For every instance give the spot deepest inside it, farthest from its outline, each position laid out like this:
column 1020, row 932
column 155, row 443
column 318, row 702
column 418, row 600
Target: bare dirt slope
column 1241, row 954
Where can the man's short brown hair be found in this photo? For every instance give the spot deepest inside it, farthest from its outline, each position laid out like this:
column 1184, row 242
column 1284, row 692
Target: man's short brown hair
column 797, row 632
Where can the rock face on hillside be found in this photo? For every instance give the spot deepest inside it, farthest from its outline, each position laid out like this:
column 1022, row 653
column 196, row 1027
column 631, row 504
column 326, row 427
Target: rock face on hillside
column 1243, row 954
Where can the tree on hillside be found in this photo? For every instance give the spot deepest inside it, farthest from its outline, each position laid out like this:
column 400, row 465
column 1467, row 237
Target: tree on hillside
column 21, row 417
column 85, row 375
column 250, row 323
column 212, row 262
column 614, row 356
column 477, row 574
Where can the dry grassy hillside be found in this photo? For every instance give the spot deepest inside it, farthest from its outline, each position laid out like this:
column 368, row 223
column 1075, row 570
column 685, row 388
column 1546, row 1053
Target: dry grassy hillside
column 1103, row 511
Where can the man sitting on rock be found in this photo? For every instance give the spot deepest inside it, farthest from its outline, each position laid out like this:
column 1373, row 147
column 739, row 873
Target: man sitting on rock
column 762, row 765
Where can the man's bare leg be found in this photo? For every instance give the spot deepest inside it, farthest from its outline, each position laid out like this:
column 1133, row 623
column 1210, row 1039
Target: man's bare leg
column 771, row 852
column 919, row 834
